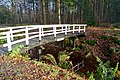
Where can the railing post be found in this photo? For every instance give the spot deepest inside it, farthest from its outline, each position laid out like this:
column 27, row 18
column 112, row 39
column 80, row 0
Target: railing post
column 73, row 29
column 79, row 29
column 11, row 34
column 62, row 28
column 84, row 28
column 39, row 34
column 69, row 28
column 42, row 31
column 66, row 30
column 9, row 42
column 54, row 31
column 27, row 36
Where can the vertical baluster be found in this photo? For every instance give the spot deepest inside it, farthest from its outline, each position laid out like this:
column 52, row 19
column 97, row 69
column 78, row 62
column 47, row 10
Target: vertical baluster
column 79, row 29
column 73, row 29
column 62, row 28
column 66, row 30
column 27, row 36
column 39, row 33
column 11, row 34
column 42, row 32
column 54, row 31
column 9, row 42
column 84, row 28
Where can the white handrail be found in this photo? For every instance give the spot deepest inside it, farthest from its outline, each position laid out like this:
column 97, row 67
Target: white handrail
column 33, row 31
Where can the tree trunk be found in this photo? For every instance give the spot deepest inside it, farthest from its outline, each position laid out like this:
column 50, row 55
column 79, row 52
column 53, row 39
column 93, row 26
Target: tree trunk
column 44, row 12
column 58, row 6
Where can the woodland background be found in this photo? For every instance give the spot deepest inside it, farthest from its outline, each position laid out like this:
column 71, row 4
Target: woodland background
column 92, row 12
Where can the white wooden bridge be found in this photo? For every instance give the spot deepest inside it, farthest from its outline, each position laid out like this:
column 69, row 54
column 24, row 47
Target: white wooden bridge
column 34, row 34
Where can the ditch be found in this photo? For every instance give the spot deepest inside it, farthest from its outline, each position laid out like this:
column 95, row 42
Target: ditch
column 87, row 59
column 85, row 50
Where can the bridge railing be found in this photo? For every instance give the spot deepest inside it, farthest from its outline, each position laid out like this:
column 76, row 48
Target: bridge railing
column 14, row 35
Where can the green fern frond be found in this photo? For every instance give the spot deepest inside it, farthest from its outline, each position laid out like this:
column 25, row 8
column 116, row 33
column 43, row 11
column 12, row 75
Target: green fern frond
column 51, row 58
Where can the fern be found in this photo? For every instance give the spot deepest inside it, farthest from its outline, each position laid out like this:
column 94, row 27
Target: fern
column 104, row 71
column 63, row 60
column 91, row 77
column 51, row 58
column 115, row 70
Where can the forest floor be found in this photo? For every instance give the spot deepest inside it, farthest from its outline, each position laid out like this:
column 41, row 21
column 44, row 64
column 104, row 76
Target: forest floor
column 99, row 42
column 19, row 68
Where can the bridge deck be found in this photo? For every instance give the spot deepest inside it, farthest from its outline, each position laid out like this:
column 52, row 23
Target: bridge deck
column 35, row 42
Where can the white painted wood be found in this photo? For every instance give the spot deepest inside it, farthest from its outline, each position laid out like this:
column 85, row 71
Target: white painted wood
column 19, row 30
column 62, row 28
column 39, row 33
column 60, row 39
column 32, row 28
column 9, row 42
column 73, row 28
column 66, row 30
column 3, row 37
column 42, row 31
column 3, row 33
column 33, row 36
column 23, row 34
column 15, row 42
column 79, row 29
column 84, row 28
column 11, row 33
column 55, row 32
column 27, row 36
column 33, row 31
